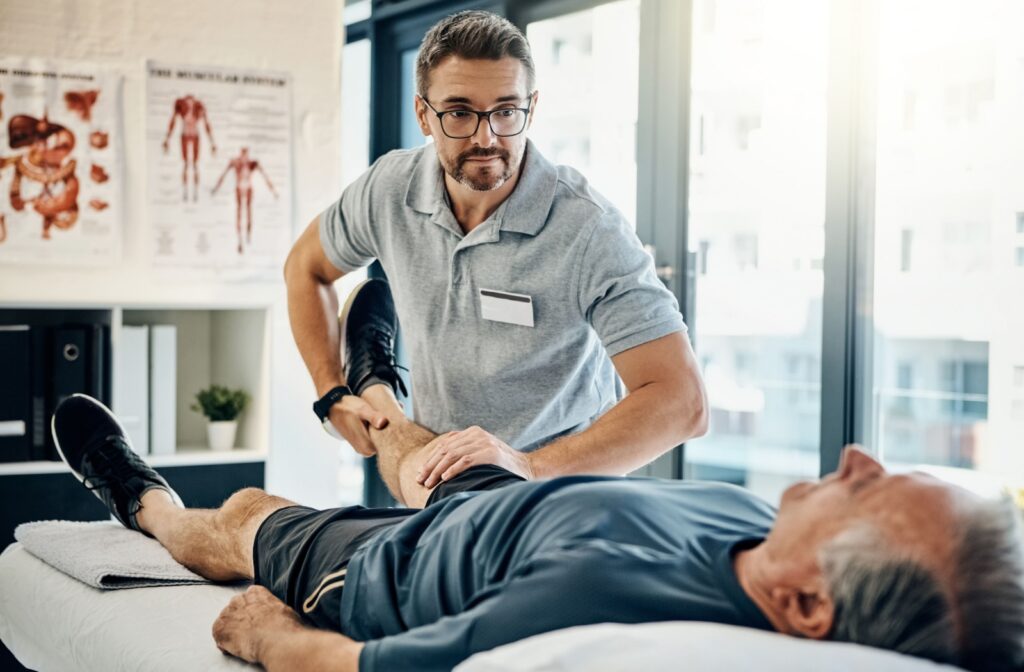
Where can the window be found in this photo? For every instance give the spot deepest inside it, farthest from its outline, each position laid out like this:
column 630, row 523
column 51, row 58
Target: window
column 356, row 10
column 758, row 93
column 588, row 76
column 1020, row 222
column 906, row 241
column 944, row 177
column 904, row 388
column 355, row 109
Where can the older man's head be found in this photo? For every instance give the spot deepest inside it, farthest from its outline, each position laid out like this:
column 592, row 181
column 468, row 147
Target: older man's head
column 898, row 561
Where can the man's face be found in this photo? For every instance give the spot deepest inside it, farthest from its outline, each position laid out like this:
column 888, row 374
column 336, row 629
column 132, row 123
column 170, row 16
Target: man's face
column 483, row 161
column 914, row 512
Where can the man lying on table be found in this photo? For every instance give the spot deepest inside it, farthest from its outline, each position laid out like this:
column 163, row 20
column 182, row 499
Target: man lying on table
column 902, row 562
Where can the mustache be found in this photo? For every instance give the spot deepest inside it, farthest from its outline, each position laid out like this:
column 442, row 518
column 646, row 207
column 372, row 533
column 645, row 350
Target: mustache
column 481, row 153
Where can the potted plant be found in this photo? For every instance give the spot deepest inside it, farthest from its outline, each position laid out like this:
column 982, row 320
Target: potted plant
column 221, row 406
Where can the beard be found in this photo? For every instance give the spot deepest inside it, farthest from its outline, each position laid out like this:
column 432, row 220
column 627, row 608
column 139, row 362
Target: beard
column 482, row 178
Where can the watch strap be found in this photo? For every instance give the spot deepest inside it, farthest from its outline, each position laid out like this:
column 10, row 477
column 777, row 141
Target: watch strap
column 322, row 406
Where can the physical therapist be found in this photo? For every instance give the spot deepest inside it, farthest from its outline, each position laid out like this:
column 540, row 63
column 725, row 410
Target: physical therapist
column 520, row 290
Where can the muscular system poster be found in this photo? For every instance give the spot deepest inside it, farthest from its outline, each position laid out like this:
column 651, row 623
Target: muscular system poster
column 218, row 144
column 61, row 162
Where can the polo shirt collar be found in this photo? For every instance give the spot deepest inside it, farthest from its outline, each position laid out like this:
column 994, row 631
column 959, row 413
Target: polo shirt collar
column 524, row 211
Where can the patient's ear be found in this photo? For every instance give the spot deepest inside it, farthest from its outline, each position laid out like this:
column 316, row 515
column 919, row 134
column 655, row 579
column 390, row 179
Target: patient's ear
column 807, row 610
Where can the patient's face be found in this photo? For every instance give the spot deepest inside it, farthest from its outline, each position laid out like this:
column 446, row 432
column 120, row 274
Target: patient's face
column 913, row 511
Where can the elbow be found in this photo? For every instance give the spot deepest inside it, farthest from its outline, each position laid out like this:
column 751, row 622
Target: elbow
column 701, row 420
column 696, row 412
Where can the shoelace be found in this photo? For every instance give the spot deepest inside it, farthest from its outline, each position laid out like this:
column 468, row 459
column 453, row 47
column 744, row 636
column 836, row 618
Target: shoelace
column 380, row 353
column 113, row 457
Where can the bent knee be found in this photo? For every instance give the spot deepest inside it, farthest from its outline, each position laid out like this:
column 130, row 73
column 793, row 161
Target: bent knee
column 249, row 503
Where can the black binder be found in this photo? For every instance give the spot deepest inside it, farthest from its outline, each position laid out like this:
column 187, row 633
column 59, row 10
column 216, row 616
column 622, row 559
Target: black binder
column 15, row 393
column 76, row 365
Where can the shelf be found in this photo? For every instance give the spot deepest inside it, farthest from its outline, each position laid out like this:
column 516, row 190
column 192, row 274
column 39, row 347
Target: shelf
column 185, row 457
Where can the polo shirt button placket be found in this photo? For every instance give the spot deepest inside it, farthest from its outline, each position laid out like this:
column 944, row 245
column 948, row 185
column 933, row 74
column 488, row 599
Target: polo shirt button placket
column 456, row 275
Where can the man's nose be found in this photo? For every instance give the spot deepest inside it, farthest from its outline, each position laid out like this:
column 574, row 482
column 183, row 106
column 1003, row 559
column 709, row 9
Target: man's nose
column 484, row 136
column 856, row 461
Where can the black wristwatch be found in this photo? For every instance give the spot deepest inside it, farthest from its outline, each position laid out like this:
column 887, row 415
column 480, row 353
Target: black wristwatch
column 322, row 406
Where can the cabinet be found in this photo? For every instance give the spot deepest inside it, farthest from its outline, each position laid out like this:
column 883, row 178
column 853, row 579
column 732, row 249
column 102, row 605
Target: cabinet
column 226, row 345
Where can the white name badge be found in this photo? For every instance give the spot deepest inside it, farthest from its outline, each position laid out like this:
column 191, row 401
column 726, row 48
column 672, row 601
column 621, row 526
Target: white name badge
column 506, row 307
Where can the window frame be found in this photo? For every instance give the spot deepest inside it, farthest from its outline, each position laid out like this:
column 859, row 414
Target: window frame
column 663, row 148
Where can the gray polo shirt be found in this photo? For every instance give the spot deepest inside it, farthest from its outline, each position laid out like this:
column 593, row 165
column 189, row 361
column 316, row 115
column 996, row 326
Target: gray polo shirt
column 555, row 240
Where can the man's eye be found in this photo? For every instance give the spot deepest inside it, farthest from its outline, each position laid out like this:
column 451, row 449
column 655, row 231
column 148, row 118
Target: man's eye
column 506, row 113
column 458, row 114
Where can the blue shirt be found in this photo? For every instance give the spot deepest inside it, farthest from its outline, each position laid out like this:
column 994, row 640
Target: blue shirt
column 482, row 569
column 593, row 288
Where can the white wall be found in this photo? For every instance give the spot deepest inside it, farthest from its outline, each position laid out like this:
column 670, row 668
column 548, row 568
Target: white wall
column 304, row 39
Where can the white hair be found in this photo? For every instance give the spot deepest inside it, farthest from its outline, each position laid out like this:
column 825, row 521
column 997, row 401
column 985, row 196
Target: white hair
column 883, row 598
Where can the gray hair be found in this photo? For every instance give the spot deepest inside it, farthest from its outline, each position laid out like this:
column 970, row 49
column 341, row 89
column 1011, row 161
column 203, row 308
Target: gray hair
column 883, row 598
column 472, row 35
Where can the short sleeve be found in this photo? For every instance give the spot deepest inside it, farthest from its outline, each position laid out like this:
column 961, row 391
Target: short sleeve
column 619, row 293
column 347, row 226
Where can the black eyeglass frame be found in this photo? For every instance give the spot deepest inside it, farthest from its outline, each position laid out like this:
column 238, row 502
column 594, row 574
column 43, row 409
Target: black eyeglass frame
column 480, row 116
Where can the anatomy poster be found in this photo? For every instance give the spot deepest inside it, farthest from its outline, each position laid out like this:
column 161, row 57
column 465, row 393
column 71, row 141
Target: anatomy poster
column 61, row 162
column 218, row 142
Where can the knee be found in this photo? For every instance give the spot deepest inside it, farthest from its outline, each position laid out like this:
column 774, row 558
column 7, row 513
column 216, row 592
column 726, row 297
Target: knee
column 244, row 504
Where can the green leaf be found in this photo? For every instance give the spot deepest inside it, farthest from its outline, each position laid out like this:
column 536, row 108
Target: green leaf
column 220, row 403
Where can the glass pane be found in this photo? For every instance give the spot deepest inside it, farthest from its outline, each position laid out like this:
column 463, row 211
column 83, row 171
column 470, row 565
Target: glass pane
column 411, row 136
column 948, row 331
column 588, row 78
column 355, row 110
column 757, row 207
column 355, row 159
column 356, row 10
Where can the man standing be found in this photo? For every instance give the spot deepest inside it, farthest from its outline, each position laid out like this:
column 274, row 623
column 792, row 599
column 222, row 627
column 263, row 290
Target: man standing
column 521, row 291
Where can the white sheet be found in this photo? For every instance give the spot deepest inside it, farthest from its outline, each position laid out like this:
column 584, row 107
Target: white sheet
column 50, row 621
column 680, row 646
column 53, row 622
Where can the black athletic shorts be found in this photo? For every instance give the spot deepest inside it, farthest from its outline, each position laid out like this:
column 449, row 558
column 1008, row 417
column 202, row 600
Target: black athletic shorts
column 301, row 554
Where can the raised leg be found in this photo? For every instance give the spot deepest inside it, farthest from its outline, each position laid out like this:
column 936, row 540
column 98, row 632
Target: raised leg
column 214, row 543
column 402, row 448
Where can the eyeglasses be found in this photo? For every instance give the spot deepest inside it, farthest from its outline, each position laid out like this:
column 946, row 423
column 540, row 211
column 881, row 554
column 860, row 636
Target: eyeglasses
column 461, row 124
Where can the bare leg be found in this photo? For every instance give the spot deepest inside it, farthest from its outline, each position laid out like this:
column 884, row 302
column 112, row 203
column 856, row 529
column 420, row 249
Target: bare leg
column 214, row 543
column 238, row 218
column 184, row 167
column 248, row 214
column 402, row 448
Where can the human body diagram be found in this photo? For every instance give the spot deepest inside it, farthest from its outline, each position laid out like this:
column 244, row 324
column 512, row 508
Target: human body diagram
column 244, row 166
column 192, row 112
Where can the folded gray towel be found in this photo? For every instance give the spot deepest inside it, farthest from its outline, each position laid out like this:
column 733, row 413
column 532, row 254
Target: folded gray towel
column 104, row 554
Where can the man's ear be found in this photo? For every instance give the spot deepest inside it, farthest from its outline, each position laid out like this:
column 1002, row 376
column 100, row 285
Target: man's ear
column 421, row 115
column 808, row 611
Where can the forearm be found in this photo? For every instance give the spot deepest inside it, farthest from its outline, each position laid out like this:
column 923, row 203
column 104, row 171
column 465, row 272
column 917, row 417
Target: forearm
column 649, row 421
column 312, row 312
column 311, row 650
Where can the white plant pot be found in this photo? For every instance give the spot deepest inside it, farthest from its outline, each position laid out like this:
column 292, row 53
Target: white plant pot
column 221, row 434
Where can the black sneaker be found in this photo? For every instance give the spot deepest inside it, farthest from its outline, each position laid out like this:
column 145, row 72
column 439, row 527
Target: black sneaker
column 92, row 442
column 368, row 328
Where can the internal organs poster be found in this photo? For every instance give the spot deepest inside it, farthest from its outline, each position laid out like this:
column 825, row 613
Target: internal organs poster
column 218, row 145
column 61, row 162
